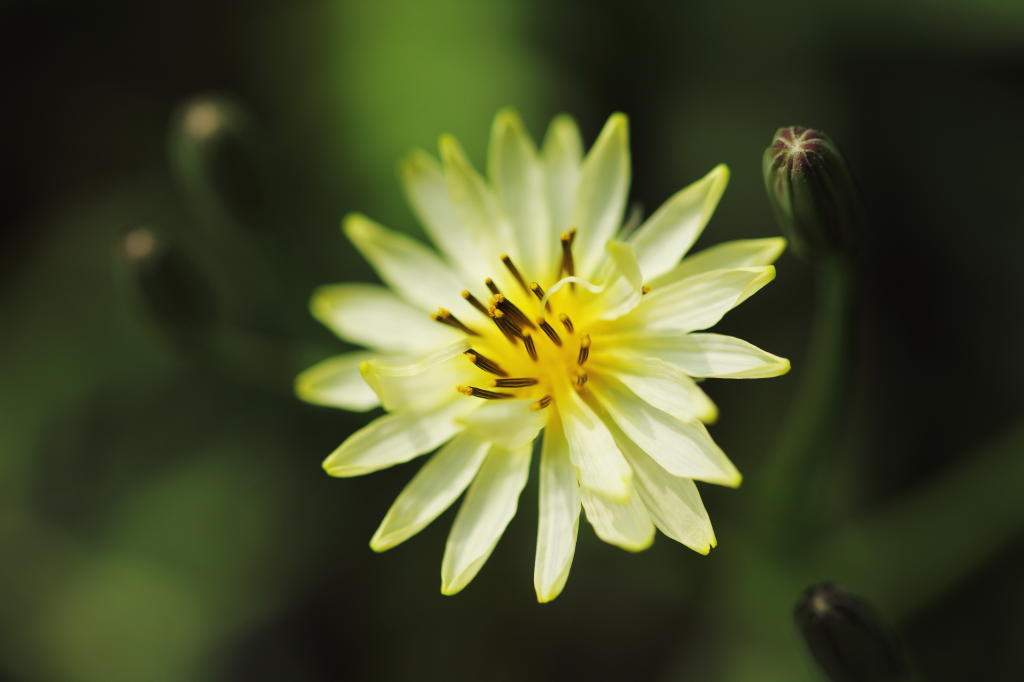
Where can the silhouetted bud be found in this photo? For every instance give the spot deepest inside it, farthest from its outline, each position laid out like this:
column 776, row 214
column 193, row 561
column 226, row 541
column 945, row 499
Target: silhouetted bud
column 216, row 154
column 812, row 192
column 847, row 638
column 169, row 287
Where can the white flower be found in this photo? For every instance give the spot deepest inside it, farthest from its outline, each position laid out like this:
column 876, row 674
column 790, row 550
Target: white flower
column 535, row 320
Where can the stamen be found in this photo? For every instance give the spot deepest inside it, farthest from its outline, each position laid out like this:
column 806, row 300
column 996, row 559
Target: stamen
column 481, row 393
column 568, row 265
column 515, row 382
column 541, row 404
column 514, row 270
column 581, row 378
column 566, row 322
column 485, row 363
column 530, row 348
column 473, row 301
column 584, row 349
column 539, row 293
column 644, row 290
column 492, row 286
column 512, row 310
column 507, row 326
column 445, row 317
column 550, row 331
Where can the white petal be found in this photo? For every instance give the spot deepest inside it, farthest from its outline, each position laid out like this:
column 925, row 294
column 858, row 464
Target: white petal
column 422, row 384
column 673, row 502
column 622, row 284
column 594, row 453
column 336, row 382
column 559, row 517
column 393, row 439
column 714, row 355
column 660, row 383
column 411, row 269
column 742, row 253
column 480, row 217
column 623, row 524
column 510, row 423
column 426, row 188
column 432, row 490
column 562, row 155
column 601, row 196
column 670, row 232
column 370, row 315
column 682, row 448
column 489, row 506
column 700, row 301
column 518, row 180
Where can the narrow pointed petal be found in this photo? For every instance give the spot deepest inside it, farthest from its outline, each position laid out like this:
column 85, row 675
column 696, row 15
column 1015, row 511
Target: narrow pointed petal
column 700, row 301
column 673, row 502
column 625, row 524
column 712, row 355
column 486, row 511
column 336, row 382
column 432, row 490
column 661, row 384
column 743, row 253
column 421, row 385
column 481, row 218
column 370, row 315
column 595, row 455
column 601, row 197
column 621, row 281
column 411, row 269
column 670, row 232
column 512, row 424
column 517, row 176
column 393, row 439
column 562, row 156
column 466, row 246
column 559, row 517
column 682, row 448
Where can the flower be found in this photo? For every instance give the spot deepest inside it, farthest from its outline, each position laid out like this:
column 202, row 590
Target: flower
column 537, row 321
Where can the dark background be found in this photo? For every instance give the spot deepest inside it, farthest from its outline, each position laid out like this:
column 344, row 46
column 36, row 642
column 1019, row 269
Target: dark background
column 163, row 513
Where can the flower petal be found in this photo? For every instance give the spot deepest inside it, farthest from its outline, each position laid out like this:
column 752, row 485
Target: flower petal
column 714, row 355
column 673, row 502
column 601, row 196
column 393, row 439
column 682, row 448
column 595, row 455
column 432, row 490
column 742, row 253
column 625, row 524
column 485, row 512
column 660, row 383
column 411, row 269
column 512, row 424
column 518, row 180
column 370, row 315
column 562, row 155
column 420, row 385
column 480, row 217
column 559, row 517
column 622, row 283
column 466, row 247
column 700, row 301
column 336, row 382
column 670, row 232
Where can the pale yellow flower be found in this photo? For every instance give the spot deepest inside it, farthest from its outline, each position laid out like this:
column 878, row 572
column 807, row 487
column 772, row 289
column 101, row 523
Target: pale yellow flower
column 535, row 320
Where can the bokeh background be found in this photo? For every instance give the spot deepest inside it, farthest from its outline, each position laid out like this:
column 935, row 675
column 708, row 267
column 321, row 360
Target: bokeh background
column 163, row 513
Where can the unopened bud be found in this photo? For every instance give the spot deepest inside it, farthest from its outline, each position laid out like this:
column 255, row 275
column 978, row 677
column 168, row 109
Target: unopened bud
column 815, row 199
column 169, row 287
column 218, row 160
column 847, row 638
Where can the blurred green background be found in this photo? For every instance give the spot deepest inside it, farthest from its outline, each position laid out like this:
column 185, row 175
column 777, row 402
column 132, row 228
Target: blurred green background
column 163, row 513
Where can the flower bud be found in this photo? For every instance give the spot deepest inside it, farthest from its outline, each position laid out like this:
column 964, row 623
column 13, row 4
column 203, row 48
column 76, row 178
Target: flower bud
column 812, row 192
column 847, row 638
column 217, row 159
column 168, row 286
